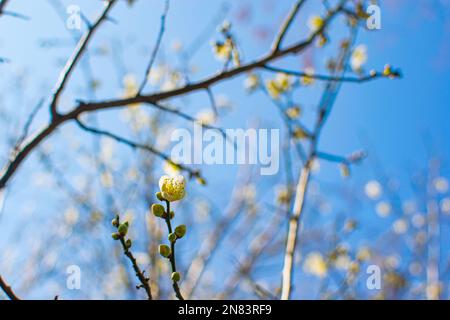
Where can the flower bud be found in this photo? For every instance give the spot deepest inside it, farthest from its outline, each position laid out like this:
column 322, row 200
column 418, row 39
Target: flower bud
column 128, row 244
column 171, row 215
column 157, row 210
column 201, row 181
column 115, row 236
column 160, row 196
column 172, row 188
column 387, row 70
column 180, row 231
column 164, row 250
column 172, row 237
column 123, row 229
column 115, row 222
column 345, row 170
column 176, row 276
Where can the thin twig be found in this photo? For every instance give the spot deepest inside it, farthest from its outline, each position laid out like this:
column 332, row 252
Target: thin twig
column 76, row 55
column 173, row 265
column 286, row 24
column 8, row 290
column 361, row 79
column 325, row 106
column 3, row 5
column 156, row 48
column 56, row 122
column 139, row 273
column 135, row 145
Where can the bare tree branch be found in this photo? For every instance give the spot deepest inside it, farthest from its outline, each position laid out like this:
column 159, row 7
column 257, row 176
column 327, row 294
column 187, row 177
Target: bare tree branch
column 7, row 289
column 76, row 55
column 83, row 107
column 286, row 24
column 325, row 106
column 136, row 145
column 156, row 48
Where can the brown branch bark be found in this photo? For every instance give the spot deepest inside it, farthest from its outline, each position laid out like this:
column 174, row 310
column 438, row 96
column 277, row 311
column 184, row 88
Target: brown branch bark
column 325, row 108
column 286, row 24
column 172, row 258
column 76, row 55
column 56, row 122
column 7, row 289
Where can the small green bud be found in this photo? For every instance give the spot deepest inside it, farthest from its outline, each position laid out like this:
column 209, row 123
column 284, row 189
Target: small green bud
column 164, row 250
column 171, row 215
column 115, row 236
column 180, row 231
column 115, row 222
column 176, row 276
column 128, row 244
column 172, row 237
column 345, row 170
column 201, row 181
column 159, row 196
column 157, row 210
column 123, row 229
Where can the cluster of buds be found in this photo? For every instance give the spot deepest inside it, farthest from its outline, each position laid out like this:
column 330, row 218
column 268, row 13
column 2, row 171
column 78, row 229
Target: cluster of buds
column 317, row 24
column 390, row 72
column 279, row 85
column 171, row 189
column 122, row 231
column 226, row 50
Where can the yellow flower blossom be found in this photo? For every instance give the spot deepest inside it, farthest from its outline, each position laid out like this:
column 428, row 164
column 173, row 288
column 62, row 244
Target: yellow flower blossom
column 294, row 112
column 299, row 133
column 279, row 85
column 308, row 79
column 316, row 265
column 364, row 254
column 130, row 88
column 223, row 50
column 315, row 23
column 172, row 188
column 251, row 82
column 359, row 58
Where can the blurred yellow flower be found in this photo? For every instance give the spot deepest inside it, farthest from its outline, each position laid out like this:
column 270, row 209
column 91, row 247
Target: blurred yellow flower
column 130, row 87
column 308, row 79
column 252, row 82
column 206, row 117
column 279, row 85
column 316, row 265
column 363, row 254
column 383, row 209
column 293, row 112
column 359, row 58
column 315, row 23
column 373, row 189
column 223, row 50
column 107, row 179
column 400, row 226
column 299, row 133
column 342, row 262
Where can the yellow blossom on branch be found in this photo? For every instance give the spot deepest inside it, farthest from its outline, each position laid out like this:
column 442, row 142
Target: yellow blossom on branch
column 172, row 188
column 316, row 265
column 280, row 84
column 308, row 79
column 359, row 58
column 315, row 23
